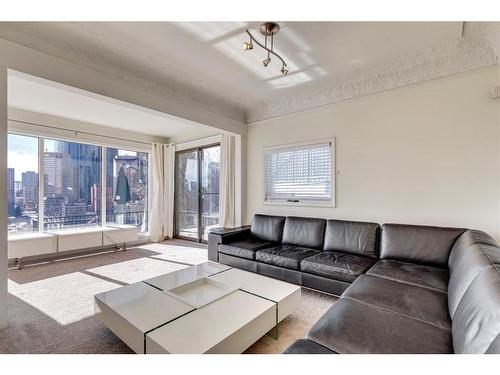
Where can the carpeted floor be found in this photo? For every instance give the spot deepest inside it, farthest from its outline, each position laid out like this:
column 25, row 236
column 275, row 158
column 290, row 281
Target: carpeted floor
column 51, row 304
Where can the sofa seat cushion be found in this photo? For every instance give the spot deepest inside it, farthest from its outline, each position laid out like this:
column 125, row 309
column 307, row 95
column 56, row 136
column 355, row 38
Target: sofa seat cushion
column 350, row 326
column 245, row 248
column 410, row 273
column 337, row 265
column 287, row 256
column 423, row 304
column 303, row 346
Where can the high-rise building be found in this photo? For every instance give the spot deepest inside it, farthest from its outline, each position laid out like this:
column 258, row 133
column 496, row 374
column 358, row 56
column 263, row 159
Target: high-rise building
column 11, row 192
column 77, row 210
column 111, row 154
column 85, row 165
column 18, row 187
column 29, row 182
column 57, row 167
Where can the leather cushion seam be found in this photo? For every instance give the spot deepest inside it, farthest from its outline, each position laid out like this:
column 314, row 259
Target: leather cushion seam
column 397, row 313
column 409, row 283
column 336, row 269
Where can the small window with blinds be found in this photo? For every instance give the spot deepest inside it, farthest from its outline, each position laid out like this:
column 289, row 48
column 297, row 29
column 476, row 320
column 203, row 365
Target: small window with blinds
column 298, row 174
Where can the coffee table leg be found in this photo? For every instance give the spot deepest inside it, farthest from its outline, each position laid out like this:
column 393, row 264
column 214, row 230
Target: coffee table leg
column 274, row 332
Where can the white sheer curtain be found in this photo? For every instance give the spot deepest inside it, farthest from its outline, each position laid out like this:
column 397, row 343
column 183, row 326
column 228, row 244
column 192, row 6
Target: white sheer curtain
column 169, row 186
column 156, row 204
column 227, row 183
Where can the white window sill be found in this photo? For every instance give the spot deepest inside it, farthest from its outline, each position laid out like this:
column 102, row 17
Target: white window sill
column 29, row 236
column 329, row 204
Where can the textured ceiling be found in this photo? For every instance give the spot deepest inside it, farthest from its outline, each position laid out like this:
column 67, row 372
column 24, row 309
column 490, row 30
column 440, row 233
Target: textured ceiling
column 204, row 61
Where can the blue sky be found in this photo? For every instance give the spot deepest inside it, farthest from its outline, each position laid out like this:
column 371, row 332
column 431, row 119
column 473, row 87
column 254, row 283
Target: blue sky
column 23, row 154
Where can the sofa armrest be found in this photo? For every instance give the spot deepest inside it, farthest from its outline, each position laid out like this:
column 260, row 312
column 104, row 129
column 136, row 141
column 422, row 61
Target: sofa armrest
column 224, row 235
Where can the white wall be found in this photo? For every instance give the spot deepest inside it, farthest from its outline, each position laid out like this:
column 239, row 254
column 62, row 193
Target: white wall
column 426, row 153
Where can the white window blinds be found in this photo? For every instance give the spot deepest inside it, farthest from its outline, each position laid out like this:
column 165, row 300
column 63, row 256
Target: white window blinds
column 298, row 173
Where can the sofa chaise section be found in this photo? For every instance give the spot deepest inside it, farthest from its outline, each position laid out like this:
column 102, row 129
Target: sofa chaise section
column 405, row 304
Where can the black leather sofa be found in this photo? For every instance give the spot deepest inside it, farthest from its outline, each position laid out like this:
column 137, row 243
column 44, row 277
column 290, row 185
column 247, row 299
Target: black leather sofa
column 327, row 255
column 403, row 288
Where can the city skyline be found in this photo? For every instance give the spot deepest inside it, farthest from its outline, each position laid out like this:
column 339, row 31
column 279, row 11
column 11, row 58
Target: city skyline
column 72, row 184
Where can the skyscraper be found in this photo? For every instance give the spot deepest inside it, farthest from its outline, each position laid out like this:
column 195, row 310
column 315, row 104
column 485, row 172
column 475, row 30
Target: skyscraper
column 59, row 174
column 85, row 165
column 29, row 182
column 11, row 192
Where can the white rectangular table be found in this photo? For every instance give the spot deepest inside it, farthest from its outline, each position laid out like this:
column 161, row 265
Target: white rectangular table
column 207, row 308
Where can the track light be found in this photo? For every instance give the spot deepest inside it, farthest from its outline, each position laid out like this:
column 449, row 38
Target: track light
column 268, row 30
column 247, row 46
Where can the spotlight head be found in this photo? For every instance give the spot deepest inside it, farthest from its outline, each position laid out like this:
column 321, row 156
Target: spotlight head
column 266, row 61
column 284, row 71
column 247, row 46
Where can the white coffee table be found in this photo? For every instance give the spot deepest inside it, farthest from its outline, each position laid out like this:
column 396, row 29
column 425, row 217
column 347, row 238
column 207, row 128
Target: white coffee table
column 207, row 308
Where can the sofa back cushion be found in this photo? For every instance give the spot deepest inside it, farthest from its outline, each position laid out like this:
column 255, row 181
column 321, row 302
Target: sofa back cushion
column 352, row 237
column 473, row 251
column 268, row 228
column 304, row 231
column 418, row 244
column 476, row 323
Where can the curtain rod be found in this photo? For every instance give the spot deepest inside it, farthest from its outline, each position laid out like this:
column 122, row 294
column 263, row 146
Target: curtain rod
column 76, row 132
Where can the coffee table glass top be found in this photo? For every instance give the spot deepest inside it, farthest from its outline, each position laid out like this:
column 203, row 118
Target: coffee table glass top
column 143, row 305
column 186, row 275
column 263, row 286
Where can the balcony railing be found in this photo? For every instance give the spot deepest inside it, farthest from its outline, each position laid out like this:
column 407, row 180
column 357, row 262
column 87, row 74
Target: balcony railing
column 135, row 218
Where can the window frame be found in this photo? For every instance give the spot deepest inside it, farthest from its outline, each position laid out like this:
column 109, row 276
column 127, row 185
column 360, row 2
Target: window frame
column 304, row 203
column 104, row 212
column 19, row 129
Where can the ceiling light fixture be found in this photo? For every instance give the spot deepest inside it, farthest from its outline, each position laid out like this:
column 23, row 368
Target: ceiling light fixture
column 269, row 30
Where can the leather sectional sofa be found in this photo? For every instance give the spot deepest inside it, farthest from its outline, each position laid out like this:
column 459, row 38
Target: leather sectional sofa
column 402, row 288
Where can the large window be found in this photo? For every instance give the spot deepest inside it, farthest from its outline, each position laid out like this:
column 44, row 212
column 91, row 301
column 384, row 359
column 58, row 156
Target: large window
column 299, row 174
column 72, row 185
column 22, row 184
column 127, row 188
column 71, row 188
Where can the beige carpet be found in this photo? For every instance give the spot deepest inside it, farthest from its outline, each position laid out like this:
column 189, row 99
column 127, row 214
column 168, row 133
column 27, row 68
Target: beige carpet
column 51, row 304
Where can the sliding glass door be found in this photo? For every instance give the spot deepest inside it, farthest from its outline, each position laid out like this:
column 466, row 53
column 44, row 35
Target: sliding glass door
column 197, row 192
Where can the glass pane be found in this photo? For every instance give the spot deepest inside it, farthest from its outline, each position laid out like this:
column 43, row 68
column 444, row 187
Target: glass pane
column 72, row 184
column 22, row 183
column 299, row 173
column 210, row 213
column 210, row 169
column 210, row 172
column 186, row 194
column 127, row 188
